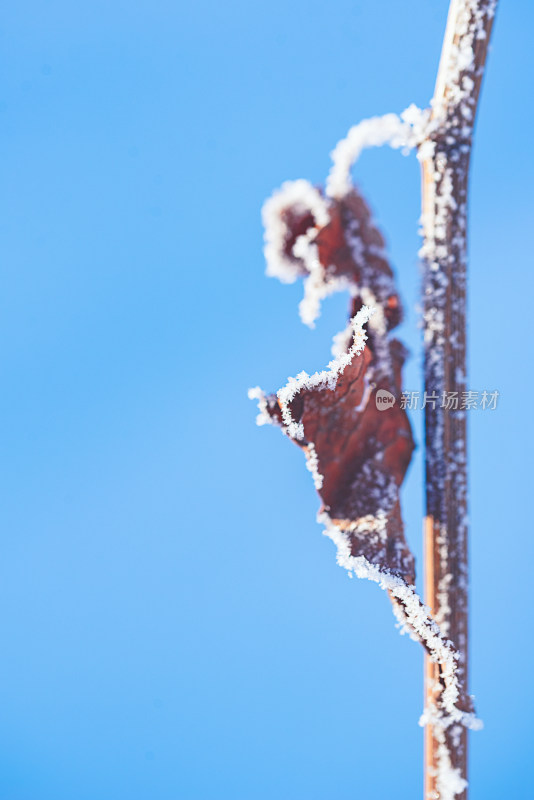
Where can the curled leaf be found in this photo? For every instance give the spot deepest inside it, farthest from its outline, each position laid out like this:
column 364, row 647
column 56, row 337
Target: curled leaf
column 348, row 418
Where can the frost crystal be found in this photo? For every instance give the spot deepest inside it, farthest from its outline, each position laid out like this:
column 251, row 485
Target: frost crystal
column 404, row 132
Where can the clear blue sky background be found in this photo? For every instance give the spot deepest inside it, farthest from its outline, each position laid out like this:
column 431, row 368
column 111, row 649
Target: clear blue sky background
column 173, row 623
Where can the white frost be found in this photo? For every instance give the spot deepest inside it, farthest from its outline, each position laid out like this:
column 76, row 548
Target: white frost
column 415, row 616
column 301, row 196
column 256, row 393
column 404, row 131
column 327, row 378
column 312, row 464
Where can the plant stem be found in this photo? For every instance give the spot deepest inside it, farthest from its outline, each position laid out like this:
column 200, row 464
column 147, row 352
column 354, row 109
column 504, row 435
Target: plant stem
column 445, row 157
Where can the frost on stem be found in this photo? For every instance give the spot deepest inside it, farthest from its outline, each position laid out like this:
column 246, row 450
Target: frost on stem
column 357, row 453
column 404, row 131
column 445, row 156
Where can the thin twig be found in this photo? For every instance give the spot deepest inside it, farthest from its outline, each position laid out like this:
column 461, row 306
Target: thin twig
column 445, row 156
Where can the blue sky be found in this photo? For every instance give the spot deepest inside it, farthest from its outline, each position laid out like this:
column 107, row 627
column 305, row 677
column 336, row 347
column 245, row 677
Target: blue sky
column 173, row 623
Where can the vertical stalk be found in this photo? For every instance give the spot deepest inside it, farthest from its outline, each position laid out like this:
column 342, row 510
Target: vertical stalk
column 445, row 156
column 446, row 563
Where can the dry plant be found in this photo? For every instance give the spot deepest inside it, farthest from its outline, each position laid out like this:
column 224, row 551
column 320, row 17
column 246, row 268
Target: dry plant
column 350, row 419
